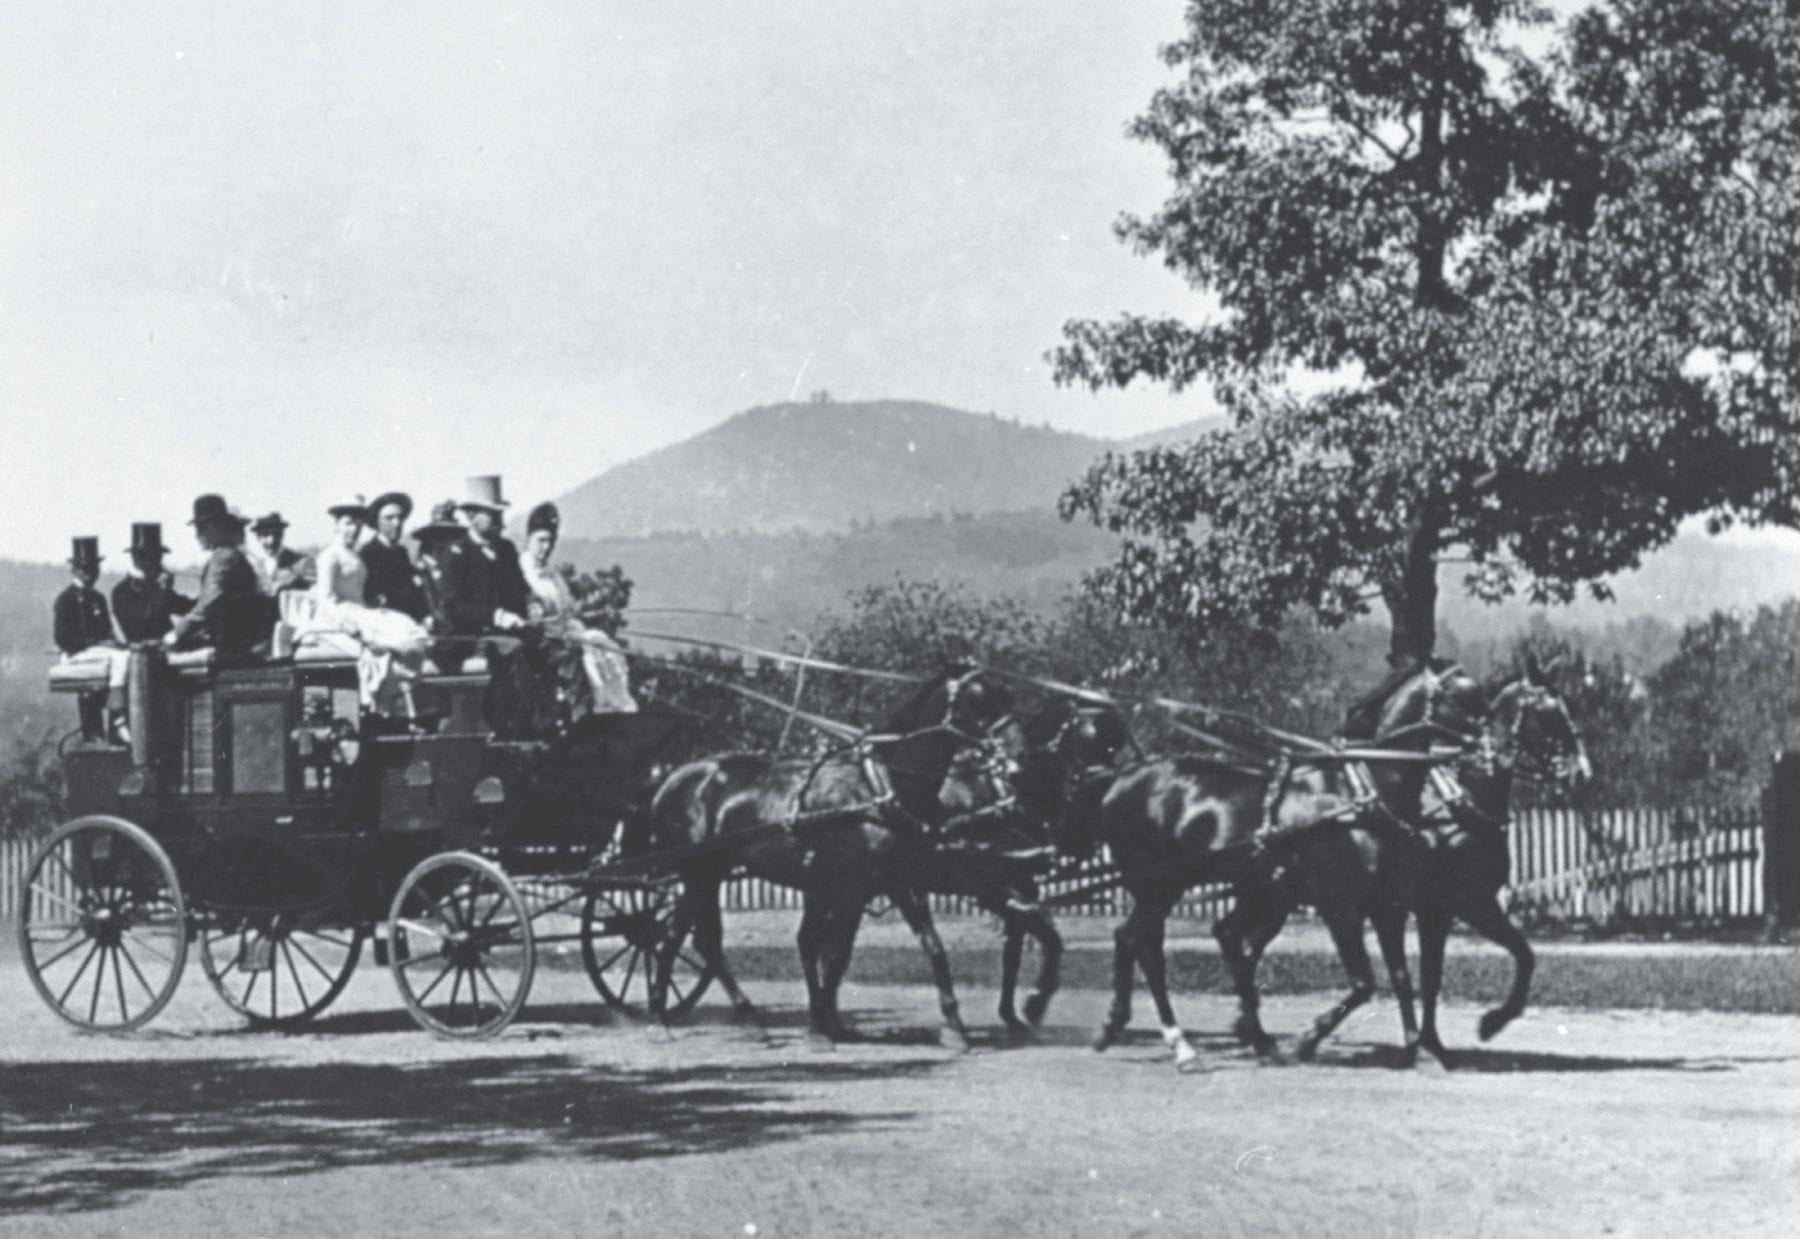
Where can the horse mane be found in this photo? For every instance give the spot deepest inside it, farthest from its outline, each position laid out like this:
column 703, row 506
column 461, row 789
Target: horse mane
column 914, row 715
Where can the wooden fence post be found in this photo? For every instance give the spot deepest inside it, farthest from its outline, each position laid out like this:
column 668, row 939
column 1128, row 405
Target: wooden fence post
column 1781, row 846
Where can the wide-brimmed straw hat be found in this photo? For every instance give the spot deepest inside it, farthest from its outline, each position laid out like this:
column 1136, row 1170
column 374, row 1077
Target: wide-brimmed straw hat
column 351, row 506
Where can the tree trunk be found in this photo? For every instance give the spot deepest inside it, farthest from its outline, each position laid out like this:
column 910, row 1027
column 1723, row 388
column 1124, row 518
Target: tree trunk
column 1411, row 598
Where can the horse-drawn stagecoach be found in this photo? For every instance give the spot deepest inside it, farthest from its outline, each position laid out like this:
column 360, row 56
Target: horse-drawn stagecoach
column 254, row 817
column 258, row 820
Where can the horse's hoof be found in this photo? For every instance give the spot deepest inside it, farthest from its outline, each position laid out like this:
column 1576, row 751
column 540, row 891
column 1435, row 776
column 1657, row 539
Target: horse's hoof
column 1109, row 1037
column 819, row 1039
column 743, row 1011
column 1192, row 1065
column 955, row 1040
column 1035, row 1006
column 1436, row 1049
column 1491, row 1023
column 1250, row 1033
column 1306, row 1048
column 1269, row 1054
column 1017, row 1033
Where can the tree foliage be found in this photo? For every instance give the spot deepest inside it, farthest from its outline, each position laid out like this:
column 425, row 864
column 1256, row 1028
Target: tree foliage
column 1525, row 308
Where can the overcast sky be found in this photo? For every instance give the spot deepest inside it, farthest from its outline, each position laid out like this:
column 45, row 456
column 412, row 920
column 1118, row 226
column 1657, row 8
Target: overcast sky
column 293, row 251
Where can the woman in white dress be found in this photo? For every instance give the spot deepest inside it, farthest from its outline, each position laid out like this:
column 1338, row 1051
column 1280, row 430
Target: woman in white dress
column 389, row 646
column 553, row 608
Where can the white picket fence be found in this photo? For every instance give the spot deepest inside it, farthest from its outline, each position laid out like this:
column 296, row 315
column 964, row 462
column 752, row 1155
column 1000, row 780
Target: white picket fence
column 1608, row 867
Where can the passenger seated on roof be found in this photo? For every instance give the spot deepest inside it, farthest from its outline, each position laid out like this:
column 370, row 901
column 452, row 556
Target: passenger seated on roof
column 488, row 575
column 231, row 614
column 145, row 603
column 393, row 581
column 389, row 646
column 282, row 571
column 553, row 607
column 84, row 633
column 440, row 541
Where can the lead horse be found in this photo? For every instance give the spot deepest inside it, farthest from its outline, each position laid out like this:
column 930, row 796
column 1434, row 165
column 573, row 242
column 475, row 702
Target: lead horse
column 1528, row 732
column 1314, row 832
column 842, row 829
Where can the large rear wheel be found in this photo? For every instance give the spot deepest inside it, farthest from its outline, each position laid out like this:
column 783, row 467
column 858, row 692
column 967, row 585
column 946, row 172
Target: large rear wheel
column 460, row 946
column 621, row 930
column 102, row 925
column 277, row 971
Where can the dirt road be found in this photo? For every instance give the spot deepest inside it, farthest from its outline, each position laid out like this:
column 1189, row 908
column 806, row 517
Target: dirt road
column 1576, row 1122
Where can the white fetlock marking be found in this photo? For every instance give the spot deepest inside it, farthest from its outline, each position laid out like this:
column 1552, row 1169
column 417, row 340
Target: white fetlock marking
column 1177, row 1040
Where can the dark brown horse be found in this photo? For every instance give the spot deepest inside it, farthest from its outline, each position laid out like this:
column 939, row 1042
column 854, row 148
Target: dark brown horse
column 1334, row 839
column 1529, row 732
column 1010, row 816
column 841, row 829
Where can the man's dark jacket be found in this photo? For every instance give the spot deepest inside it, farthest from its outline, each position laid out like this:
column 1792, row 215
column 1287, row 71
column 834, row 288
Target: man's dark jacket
column 80, row 619
column 146, row 609
column 231, row 614
column 392, row 581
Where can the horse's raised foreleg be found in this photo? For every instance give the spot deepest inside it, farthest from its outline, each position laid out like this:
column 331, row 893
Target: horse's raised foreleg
column 1389, row 920
column 1243, row 934
column 918, row 916
column 1434, row 931
column 1346, row 925
column 1152, row 923
column 1487, row 918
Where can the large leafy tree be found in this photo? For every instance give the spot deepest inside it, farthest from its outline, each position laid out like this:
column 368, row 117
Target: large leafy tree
column 1479, row 286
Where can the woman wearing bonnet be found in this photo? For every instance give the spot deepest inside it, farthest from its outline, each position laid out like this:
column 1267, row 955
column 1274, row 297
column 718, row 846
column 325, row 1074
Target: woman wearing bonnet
column 553, row 607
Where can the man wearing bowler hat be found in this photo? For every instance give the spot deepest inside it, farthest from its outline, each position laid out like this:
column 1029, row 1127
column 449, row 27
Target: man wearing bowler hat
column 393, row 581
column 279, row 568
column 491, row 555
column 83, row 630
column 231, row 615
column 145, row 603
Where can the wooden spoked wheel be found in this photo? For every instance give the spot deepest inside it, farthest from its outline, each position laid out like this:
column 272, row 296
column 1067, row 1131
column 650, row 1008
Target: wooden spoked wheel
column 621, row 930
column 277, row 971
column 460, row 946
column 102, row 925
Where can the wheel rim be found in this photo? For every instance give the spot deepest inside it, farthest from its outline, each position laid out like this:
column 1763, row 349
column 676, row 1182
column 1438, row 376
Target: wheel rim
column 102, row 925
column 621, row 931
column 460, row 945
column 277, row 973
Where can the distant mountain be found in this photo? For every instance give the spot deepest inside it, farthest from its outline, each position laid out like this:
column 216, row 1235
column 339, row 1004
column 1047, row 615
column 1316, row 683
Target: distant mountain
column 824, row 467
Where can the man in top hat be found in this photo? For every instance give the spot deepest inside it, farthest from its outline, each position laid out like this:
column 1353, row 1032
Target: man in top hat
column 232, row 614
column 393, row 582
column 83, row 630
column 278, row 568
column 145, row 603
column 491, row 561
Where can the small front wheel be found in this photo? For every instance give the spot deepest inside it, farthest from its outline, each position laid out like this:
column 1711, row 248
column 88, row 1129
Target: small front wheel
column 278, row 971
column 102, row 925
column 460, row 945
column 622, row 928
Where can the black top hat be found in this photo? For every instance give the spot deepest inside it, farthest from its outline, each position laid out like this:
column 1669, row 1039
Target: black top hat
column 146, row 538
column 85, row 553
column 544, row 516
column 212, row 508
column 393, row 496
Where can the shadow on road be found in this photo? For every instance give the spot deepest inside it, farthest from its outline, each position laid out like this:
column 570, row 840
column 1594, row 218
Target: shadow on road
column 1480, row 1060
column 77, row 1136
